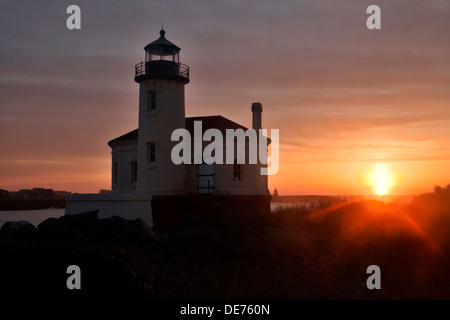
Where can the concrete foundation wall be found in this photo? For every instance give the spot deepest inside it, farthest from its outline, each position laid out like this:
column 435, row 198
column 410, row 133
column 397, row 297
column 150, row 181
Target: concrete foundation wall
column 165, row 211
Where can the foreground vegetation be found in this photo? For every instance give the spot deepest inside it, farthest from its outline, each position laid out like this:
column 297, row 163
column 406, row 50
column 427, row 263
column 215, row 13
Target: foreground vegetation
column 315, row 252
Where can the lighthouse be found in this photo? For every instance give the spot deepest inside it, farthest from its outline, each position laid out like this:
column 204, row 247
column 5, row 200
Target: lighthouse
column 161, row 79
column 146, row 183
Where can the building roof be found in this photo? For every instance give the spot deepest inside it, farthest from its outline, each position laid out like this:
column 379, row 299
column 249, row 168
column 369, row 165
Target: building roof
column 130, row 136
column 212, row 122
column 162, row 46
column 208, row 122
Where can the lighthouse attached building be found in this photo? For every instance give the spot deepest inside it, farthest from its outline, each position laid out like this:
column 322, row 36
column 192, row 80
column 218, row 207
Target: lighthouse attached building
column 145, row 181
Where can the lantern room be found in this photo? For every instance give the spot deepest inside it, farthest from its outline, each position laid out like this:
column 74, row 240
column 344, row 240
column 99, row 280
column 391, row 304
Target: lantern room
column 162, row 49
column 162, row 61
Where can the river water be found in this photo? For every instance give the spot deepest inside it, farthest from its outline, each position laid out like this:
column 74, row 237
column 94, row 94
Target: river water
column 32, row 216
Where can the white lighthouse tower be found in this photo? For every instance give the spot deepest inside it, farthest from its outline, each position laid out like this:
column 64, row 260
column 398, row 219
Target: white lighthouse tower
column 161, row 81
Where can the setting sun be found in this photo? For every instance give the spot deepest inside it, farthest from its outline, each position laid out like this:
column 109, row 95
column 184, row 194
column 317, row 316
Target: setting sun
column 382, row 179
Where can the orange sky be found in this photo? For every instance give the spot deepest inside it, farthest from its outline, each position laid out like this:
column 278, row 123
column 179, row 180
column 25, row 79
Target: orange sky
column 344, row 98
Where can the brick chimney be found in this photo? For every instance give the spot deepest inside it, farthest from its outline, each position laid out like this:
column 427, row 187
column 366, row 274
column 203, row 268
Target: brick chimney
column 257, row 119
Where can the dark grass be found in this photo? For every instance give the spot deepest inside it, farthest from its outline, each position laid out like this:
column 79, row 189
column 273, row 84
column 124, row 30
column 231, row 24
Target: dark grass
column 316, row 252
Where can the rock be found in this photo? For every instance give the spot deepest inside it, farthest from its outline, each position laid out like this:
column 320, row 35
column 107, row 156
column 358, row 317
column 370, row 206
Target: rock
column 123, row 232
column 17, row 230
column 87, row 228
column 18, row 225
column 52, row 228
column 76, row 227
column 84, row 228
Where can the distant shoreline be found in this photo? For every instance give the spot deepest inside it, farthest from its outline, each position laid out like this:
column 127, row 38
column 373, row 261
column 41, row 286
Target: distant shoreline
column 11, row 204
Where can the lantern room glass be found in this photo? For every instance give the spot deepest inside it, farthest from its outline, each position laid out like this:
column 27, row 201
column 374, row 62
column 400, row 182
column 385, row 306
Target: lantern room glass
column 152, row 56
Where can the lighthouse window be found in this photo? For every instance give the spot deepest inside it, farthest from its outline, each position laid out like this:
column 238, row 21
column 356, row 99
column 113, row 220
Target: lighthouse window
column 133, row 171
column 151, row 100
column 151, row 152
column 237, row 172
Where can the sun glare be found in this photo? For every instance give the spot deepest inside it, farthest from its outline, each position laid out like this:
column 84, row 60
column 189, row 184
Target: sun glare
column 381, row 179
